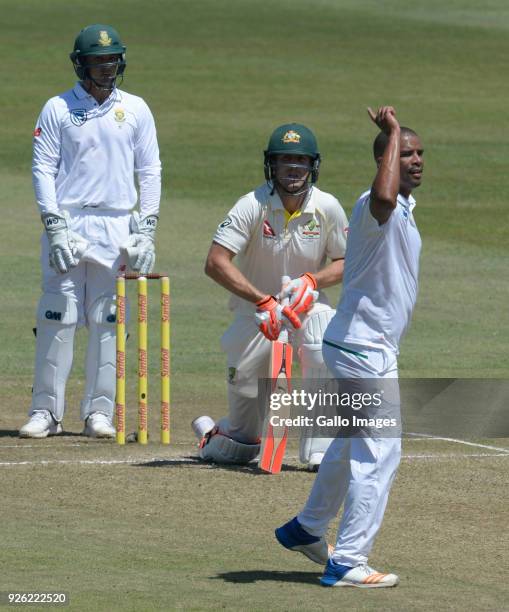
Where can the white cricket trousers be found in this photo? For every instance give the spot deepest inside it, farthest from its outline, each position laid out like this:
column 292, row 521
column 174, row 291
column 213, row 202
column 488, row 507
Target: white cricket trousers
column 355, row 471
column 248, row 361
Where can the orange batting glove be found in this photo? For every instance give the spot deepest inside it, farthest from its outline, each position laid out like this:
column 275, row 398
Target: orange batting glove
column 301, row 293
column 269, row 317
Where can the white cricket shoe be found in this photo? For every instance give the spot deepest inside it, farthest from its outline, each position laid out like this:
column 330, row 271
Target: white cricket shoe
column 362, row 576
column 40, row 425
column 98, row 425
column 202, row 426
column 314, row 461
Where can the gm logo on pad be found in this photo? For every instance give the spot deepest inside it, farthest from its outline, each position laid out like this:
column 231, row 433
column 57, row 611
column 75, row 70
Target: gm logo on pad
column 53, row 316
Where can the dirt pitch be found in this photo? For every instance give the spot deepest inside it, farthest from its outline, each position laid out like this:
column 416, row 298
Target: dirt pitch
column 150, row 528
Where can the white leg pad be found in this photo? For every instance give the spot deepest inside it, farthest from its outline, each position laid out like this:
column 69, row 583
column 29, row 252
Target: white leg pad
column 313, row 368
column 57, row 316
column 315, row 324
column 221, row 449
column 310, row 446
column 100, row 361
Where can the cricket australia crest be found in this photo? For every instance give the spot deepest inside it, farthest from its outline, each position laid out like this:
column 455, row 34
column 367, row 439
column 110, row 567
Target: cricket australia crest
column 291, row 136
column 311, row 228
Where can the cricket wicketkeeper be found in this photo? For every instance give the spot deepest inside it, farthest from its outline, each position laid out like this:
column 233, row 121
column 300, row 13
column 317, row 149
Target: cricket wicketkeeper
column 285, row 227
column 89, row 143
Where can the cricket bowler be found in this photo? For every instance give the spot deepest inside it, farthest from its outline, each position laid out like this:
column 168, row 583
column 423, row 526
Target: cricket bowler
column 361, row 346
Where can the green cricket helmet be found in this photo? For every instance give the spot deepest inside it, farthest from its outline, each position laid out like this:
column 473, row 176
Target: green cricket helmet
column 97, row 39
column 295, row 139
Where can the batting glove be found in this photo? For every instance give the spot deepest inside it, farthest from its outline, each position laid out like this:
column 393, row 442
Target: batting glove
column 65, row 246
column 270, row 317
column 140, row 247
column 301, row 293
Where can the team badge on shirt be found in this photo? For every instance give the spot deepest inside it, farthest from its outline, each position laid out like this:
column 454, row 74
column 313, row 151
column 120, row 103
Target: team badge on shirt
column 311, row 228
column 119, row 115
column 104, row 39
column 78, row 116
column 291, row 136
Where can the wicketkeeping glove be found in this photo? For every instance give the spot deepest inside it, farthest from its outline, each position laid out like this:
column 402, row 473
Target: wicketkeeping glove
column 270, row 317
column 65, row 246
column 301, row 293
column 140, row 247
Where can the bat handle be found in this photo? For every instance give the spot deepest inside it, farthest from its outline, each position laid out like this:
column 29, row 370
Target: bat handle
column 283, row 336
column 284, row 281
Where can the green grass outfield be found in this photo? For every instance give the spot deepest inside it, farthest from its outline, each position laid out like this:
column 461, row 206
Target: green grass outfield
column 219, row 76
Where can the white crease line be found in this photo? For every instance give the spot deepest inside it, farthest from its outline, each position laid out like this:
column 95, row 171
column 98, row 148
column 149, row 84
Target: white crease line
column 455, row 456
column 476, row 444
column 101, row 461
column 141, row 460
column 2, row 446
column 438, row 456
column 77, row 444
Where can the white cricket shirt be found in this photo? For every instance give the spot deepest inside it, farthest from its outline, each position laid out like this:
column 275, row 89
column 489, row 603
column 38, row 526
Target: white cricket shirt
column 268, row 247
column 380, row 279
column 86, row 154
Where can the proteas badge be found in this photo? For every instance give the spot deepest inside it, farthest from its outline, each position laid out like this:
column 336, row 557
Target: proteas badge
column 104, row 39
column 119, row 115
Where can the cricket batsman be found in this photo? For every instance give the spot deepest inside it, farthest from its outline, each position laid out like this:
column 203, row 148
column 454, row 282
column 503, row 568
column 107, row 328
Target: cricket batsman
column 361, row 347
column 89, row 144
column 285, row 227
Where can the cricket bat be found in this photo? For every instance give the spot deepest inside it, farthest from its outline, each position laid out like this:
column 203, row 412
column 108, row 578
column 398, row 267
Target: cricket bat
column 274, row 436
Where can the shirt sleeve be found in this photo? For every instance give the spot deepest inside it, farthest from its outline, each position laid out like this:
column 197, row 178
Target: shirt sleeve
column 337, row 231
column 147, row 164
column 368, row 223
column 46, row 157
column 235, row 232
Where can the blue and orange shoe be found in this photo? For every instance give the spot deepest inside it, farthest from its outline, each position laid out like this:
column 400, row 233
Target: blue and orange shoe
column 362, row 576
column 294, row 537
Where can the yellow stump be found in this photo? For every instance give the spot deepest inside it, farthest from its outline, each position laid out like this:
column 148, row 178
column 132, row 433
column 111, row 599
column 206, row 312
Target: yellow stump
column 142, row 360
column 120, row 369
column 165, row 360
